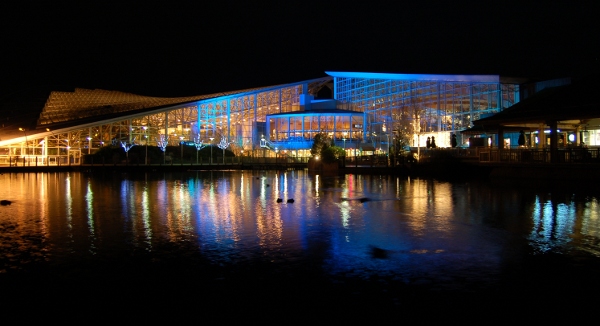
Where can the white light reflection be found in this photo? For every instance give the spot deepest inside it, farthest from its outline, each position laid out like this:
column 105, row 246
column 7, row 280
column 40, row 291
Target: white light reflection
column 89, row 201
column 285, row 186
column 345, row 214
column 590, row 225
column 179, row 216
column 69, row 204
column 44, row 206
column 146, row 217
column 345, row 205
column 242, row 190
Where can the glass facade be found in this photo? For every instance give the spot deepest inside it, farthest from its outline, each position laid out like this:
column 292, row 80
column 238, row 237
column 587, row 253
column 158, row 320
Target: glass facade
column 368, row 108
column 339, row 126
column 238, row 117
column 425, row 105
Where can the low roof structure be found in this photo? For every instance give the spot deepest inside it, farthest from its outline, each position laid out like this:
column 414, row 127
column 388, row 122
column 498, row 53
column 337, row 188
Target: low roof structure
column 570, row 107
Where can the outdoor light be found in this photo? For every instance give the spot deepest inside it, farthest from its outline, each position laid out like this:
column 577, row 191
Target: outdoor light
column 146, row 143
column 181, row 146
column 211, row 139
column 26, row 143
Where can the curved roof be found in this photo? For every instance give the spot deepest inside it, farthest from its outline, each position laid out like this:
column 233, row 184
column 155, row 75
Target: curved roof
column 85, row 103
column 67, row 109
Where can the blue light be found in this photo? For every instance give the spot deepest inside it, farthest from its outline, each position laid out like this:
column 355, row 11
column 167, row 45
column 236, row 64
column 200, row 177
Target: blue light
column 418, row 77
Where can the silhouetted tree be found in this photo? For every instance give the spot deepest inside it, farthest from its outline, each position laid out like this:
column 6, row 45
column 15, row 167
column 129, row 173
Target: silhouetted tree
column 521, row 140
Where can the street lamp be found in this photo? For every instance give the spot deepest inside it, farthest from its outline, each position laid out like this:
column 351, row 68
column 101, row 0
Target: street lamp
column 387, row 136
column 26, row 144
column 146, row 143
column 418, row 130
column 211, row 139
column 89, row 139
column 181, row 147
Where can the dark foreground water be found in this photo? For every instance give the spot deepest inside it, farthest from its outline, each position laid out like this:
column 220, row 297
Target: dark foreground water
column 218, row 243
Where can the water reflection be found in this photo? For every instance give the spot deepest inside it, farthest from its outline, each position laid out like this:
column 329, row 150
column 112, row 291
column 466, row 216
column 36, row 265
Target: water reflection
column 435, row 232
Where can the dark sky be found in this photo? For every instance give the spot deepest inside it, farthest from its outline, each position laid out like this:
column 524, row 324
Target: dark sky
column 195, row 47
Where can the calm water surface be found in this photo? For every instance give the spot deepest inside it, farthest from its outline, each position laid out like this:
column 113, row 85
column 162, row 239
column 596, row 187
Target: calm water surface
column 468, row 236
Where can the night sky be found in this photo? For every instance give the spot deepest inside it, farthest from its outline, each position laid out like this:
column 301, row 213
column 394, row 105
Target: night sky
column 197, row 47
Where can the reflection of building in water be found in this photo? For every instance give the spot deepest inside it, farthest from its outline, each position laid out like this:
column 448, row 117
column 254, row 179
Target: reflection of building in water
column 555, row 223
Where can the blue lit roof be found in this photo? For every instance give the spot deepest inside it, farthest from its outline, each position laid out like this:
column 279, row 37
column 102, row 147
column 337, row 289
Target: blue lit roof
column 418, row 77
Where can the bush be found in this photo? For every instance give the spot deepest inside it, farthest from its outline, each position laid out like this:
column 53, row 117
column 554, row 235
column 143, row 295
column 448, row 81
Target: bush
column 322, row 146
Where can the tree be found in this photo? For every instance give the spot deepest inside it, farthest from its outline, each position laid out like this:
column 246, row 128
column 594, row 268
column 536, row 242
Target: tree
column 223, row 145
column 199, row 145
column 162, row 142
column 324, row 148
column 521, row 140
column 321, row 141
column 127, row 147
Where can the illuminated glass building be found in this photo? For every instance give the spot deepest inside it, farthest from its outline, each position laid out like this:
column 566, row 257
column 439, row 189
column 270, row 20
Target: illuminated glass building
column 363, row 112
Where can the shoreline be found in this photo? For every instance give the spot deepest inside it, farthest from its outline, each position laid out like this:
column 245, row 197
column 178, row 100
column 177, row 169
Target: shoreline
column 501, row 173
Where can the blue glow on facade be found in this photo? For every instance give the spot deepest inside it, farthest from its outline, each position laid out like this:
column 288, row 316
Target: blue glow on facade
column 367, row 108
column 418, row 77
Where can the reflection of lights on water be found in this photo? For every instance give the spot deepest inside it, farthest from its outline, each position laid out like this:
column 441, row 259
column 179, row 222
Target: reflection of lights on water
column 146, row 216
column 89, row 201
column 345, row 206
column 285, row 185
column 345, row 213
column 553, row 223
column 69, row 202
column 44, row 208
column 427, row 226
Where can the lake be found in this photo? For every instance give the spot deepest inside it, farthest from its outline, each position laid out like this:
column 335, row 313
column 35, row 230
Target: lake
column 391, row 244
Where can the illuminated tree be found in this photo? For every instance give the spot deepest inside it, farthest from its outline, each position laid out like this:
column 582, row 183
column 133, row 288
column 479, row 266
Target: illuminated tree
column 223, row 144
column 127, row 147
column 199, row 145
column 162, row 142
